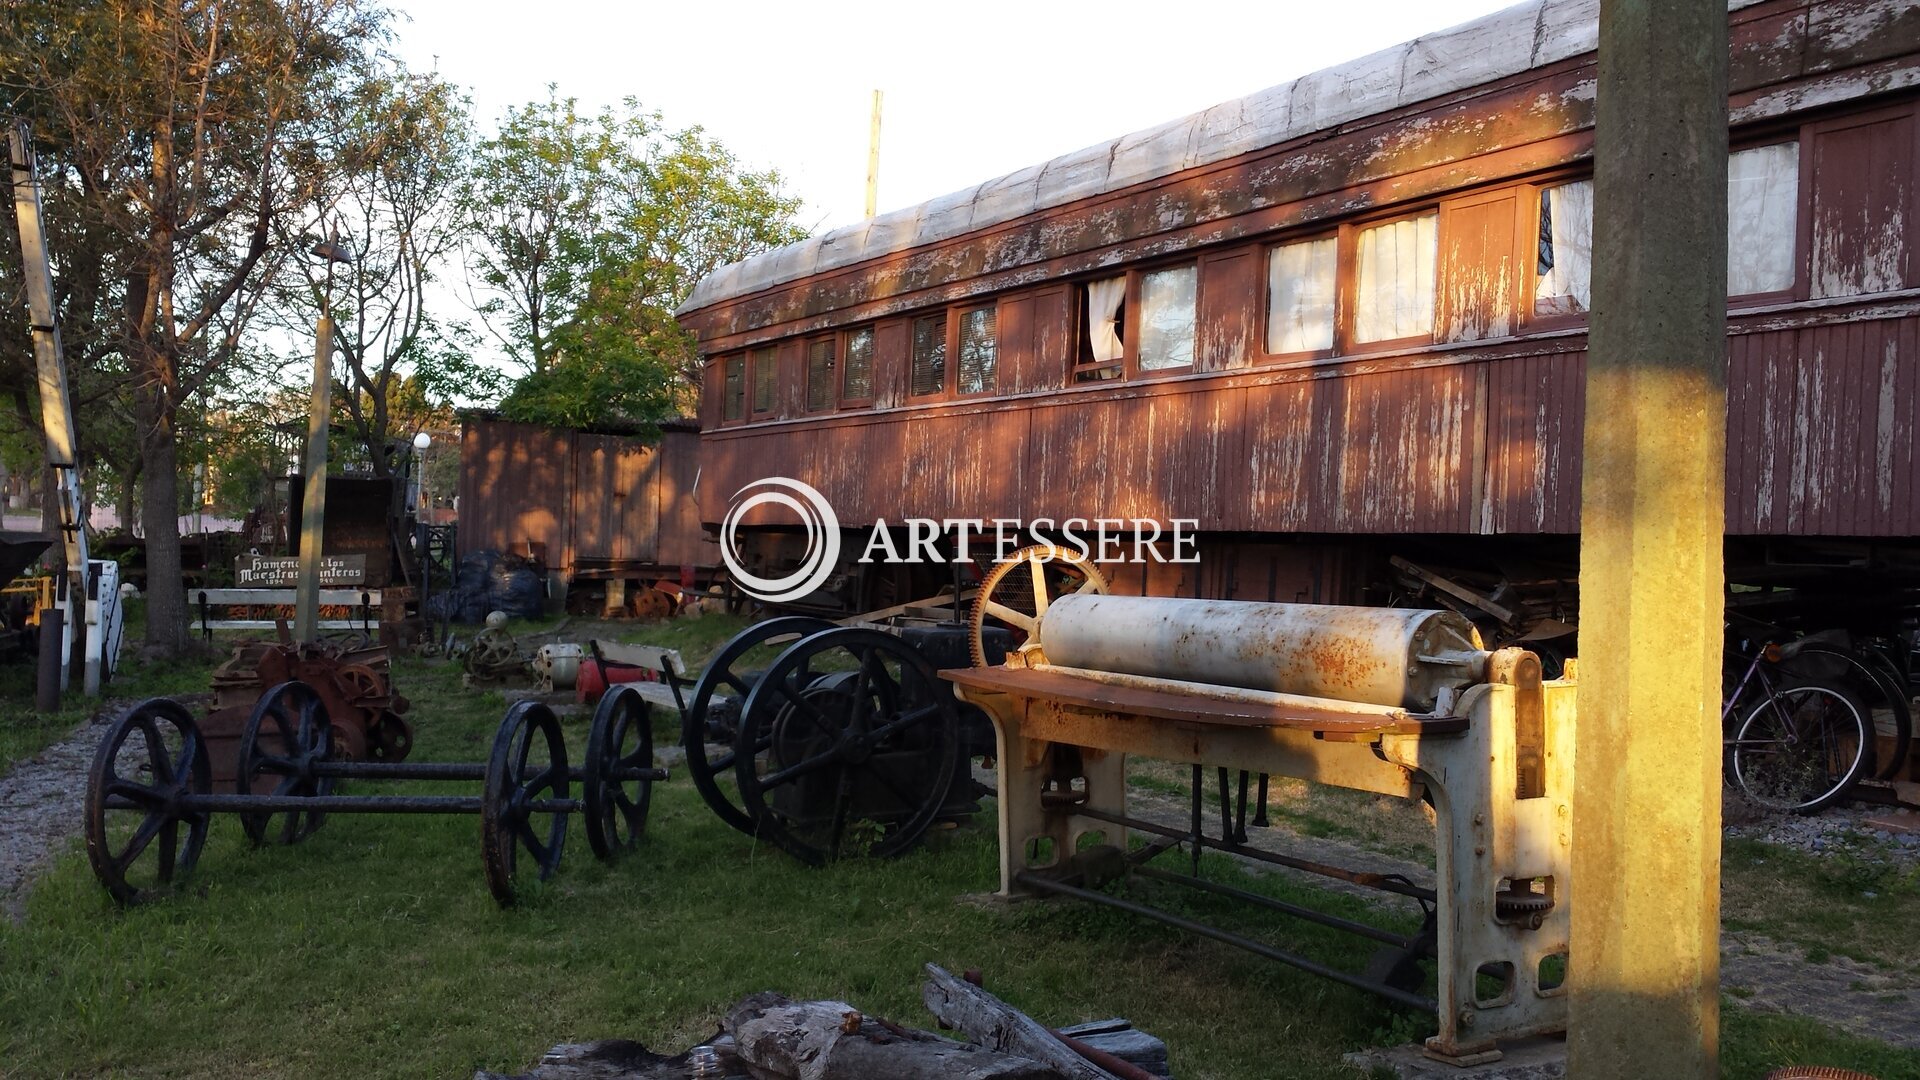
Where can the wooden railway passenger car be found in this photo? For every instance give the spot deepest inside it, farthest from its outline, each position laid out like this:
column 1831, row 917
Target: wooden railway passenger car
column 1345, row 318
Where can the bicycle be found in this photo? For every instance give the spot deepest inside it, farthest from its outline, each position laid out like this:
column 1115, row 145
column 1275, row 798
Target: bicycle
column 1802, row 744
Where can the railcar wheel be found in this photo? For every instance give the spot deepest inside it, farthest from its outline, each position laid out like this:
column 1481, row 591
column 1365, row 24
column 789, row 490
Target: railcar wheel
column 726, row 670
column 857, row 742
column 529, row 761
column 286, row 735
column 621, row 739
column 151, row 757
column 1016, row 592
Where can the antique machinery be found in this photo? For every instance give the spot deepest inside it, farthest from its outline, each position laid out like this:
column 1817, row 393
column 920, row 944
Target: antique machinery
column 150, row 792
column 1396, row 702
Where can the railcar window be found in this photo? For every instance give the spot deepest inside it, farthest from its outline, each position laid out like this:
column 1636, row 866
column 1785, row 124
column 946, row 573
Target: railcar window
column 856, row 370
column 929, row 354
column 1103, row 323
column 1565, row 282
column 1763, row 193
column 734, row 394
column 1166, row 317
column 979, row 348
column 1301, row 281
column 819, row 374
column 1393, row 279
column 764, row 363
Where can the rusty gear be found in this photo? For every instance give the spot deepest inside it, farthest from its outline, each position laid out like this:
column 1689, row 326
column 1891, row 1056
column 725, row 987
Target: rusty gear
column 1033, row 590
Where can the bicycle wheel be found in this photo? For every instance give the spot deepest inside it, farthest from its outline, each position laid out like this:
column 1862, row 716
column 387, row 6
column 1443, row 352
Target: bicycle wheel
column 1882, row 689
column 1801, row 747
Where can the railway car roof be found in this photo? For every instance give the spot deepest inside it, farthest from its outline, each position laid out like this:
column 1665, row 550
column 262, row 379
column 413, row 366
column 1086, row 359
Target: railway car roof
column 1505, row 43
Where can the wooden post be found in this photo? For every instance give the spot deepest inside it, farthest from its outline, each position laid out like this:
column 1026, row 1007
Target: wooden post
column 1643, row 967
column 313, row 498
column 873, row 158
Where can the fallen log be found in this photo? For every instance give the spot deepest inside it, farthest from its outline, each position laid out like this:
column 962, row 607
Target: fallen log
column 781, row 1039
column 994, row 1023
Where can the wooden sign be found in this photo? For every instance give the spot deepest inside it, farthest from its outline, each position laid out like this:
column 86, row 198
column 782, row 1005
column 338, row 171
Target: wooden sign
column 283, row 571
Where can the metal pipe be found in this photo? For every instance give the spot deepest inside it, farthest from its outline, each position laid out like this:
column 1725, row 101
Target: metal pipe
column 1397, row 996
column 1378, row 656
column 340, row 804
column 436, row 770
column 1382, row 882
column 1285, row 908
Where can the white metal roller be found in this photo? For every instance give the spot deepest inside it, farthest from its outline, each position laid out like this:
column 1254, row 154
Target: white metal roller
column 1380, row 656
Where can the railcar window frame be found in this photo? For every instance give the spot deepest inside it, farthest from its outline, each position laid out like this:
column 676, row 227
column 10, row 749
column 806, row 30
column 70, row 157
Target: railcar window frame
column 1533, row 320
column 846, row 400
column 769, row 356
column 830, row 380
column 956, row 328
column 1134, row 340
column 733, row 406
column 1299, row 356
column 1346, row 336
column 935, row 393
column 1800, row 259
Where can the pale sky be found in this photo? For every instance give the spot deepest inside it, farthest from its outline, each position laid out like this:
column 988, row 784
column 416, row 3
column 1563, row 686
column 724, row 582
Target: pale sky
column 971, row 90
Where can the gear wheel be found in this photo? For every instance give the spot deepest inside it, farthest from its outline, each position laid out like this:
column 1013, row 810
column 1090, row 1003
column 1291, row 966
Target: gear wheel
column 1520, row 904
column 1021, row 581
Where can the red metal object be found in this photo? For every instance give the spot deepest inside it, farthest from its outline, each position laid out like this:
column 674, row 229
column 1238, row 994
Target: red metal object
column 597, row 675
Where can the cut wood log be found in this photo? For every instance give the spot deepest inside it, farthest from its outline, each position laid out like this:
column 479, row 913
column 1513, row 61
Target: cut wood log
column 994, row 1023
column 1124, row 1041
column 781, row 1039
column 608, row 1059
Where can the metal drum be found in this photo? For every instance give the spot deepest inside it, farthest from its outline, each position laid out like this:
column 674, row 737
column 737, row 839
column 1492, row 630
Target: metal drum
column 1381, row 656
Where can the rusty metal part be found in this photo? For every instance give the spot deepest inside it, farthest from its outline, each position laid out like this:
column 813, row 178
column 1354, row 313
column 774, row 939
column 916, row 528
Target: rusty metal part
column 350, row 679
column 1019, row 590
column 1379, row 656
column 150, row 790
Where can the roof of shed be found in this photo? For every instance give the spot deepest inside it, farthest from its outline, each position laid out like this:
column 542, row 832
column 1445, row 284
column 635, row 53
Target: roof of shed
column 1507, row 42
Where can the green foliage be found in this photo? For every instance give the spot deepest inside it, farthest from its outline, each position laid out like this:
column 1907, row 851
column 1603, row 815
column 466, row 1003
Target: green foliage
column 591, row 230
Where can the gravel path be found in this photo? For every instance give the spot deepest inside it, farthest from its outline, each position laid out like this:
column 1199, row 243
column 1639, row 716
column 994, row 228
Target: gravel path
column 41, row 802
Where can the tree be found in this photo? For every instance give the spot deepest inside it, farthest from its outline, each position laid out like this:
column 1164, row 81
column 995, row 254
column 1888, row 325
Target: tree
column 395, row 167
column 181, row 132
column 590, row 231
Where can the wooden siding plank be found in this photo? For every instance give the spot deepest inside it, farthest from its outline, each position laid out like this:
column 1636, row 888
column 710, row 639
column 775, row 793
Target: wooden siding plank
column 1232, row 303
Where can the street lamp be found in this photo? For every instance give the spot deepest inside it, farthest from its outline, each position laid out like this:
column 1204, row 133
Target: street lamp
column 422, row 440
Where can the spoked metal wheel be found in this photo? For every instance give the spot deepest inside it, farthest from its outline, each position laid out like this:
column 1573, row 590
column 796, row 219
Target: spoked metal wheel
column 1016, row 592
column 1801, row 747
column 857, row 741
column 138, row 838
column 621, row 740
column 287, row 734
column 726, row 674
column 528, row 763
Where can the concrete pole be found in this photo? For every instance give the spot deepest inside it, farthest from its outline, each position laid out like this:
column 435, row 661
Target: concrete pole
column 873, row 158
column 1644, row 962
column 313, row 499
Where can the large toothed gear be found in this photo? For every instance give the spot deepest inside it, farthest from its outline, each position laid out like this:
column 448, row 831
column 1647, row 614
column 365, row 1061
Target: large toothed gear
column 1017, row 591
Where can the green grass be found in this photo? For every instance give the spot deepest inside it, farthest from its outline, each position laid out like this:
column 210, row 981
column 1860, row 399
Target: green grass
column 25, row 732
column 1844, row 902
column 374, row 949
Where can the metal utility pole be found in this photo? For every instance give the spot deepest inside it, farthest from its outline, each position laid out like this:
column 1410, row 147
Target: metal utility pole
column 87, row 594
column 873, row 158
column 1644, row 963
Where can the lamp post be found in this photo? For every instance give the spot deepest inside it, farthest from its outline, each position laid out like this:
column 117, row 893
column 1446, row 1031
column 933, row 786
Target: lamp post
column 421, row 441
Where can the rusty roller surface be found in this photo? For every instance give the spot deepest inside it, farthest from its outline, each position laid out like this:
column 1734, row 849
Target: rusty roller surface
column 1379, row 656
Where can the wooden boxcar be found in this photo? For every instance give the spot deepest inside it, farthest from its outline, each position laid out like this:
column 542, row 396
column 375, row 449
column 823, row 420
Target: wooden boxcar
column 1345, row 318
column 593, row 505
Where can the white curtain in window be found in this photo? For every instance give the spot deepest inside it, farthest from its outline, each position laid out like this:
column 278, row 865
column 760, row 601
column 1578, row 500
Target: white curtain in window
column 1393, row 290
column 1300, row 288
column 1166, row 317
column 1763, row 188
column 1566, row 287
column 1103, row 317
